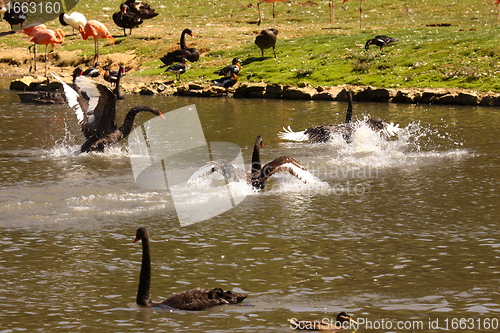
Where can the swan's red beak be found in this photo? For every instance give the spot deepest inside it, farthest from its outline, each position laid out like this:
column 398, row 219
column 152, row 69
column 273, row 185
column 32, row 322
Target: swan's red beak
column 161, row 115
column 136, row 240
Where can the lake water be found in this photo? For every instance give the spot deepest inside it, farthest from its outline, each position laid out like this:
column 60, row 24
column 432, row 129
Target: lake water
column 403, row 234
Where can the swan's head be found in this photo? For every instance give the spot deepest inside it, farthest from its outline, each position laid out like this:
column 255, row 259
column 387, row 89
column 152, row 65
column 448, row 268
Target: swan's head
column 142, row 234
column 378, row 125
column 259, row 142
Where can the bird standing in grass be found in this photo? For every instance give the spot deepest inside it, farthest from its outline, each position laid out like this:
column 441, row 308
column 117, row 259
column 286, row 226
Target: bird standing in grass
column 126, row 19
column 96, row 30
column 15, row 17
column 178, row 69
column 380, row 41
column 266, row 40
column 46, row 37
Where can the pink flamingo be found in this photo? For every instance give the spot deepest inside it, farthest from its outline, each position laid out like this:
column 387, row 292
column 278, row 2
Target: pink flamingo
column 267, row 1
column 46, row 37
column 31, row 30
column 97, row 30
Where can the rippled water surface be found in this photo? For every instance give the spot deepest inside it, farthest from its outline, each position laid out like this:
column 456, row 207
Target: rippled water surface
column 400, row 234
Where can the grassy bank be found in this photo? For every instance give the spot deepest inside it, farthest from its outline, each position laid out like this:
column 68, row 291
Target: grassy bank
column 441, row 44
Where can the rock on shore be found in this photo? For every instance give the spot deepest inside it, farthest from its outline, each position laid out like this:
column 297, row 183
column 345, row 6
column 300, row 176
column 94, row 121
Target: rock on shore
column 301, row 92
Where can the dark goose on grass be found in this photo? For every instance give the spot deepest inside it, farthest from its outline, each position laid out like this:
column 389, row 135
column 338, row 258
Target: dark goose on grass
column 259, row 174
column 95, row 108
column 266, row 40
column 380, row 41
column 194, row 299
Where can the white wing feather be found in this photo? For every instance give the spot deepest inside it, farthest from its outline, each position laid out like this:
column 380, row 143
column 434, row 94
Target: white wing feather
column 89, row 87
column 72, row 98
column 288, row 134
column 302, row 174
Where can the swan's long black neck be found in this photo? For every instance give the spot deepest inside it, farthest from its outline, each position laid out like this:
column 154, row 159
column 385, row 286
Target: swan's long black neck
column 145, row 277
column 183, row 40
column 126, row 128
column 118, row 91
column 256, row 165
column 348, row 115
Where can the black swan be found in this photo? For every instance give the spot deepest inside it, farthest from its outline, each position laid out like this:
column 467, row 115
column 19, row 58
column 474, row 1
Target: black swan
column 235, row 68
column 74, row 19
column 342, row 321
column 15, row 17
column 380, row 41
column 118, row 90
column 259, row 174
column 95, row 108
column 266, row 40
column 190, row 54
column 178, row 69
column 142, row 9
column 320, row 134
column 126, row 19
column 193, row 299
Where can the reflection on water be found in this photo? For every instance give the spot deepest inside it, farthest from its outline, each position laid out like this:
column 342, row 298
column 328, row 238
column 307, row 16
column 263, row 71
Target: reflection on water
column 404, row 230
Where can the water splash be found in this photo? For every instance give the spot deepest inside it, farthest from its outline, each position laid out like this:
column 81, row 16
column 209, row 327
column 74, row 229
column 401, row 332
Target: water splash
column 414, row 145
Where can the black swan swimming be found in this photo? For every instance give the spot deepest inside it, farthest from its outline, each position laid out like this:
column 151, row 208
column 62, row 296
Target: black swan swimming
column 126, row 19
column 324, row 133
column 191, row 54
column 266, row 40
column 380, row 41
column 235, row 68
column 178, row 69
column 193, row 299
column 259, row 174
column 343, row 320
column 142, row 9
column 95, row 108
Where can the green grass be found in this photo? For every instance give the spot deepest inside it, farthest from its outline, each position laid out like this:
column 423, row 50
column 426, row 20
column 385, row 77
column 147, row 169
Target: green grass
column 463, row 55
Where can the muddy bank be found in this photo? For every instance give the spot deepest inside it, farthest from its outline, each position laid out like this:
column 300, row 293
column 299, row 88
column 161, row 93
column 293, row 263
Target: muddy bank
column 276, row 91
